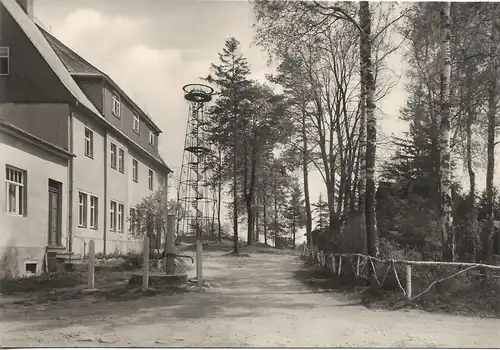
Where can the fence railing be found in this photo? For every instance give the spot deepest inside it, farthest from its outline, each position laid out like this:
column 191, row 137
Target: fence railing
column 333, row 262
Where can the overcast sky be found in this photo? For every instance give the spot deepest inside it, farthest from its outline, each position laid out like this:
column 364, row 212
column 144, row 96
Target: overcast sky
column 152, row 48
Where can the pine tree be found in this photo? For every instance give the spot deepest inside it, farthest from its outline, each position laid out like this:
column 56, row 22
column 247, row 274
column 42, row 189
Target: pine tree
column 322, row 214
column 231, row 77
column 295, row 213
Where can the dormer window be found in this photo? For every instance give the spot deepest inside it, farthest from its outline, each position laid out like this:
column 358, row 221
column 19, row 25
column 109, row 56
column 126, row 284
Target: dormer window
column 136, row 123
column 116, row 105
column 4, row 60
column 151, row 138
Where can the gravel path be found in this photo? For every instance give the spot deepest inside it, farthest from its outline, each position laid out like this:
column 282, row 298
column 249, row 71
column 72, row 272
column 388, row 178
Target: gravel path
column 252, row 301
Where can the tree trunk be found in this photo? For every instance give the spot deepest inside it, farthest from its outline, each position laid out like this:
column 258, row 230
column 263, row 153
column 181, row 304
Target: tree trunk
column 250, row 223
column 219, row 198
column 371, row 130
column 265, row 222
column 490, row 168
column 471, row 207
column 235, row 193
column 257, row 223
column 293, row 232
column 249, row 193
column 355, row 186
column 448, row 239
column 305, row 161
column 361, row 165
column 275, row 219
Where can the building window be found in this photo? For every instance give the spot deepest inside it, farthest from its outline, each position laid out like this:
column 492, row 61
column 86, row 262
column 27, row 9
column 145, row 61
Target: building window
column 116, row 106
column 150, row 179
column 151, row 138
column 16, row 191
column 135, row 170
column 112, row 216
column 4, row 60
column 132, row 226
column 121, row 210
column 82, row 209
column 121, row 160
column 136, row 123
column 113, row 155
column 94, row 212
column 89, row 143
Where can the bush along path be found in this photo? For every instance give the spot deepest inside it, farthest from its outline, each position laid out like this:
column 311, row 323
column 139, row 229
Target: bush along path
column 260, row 299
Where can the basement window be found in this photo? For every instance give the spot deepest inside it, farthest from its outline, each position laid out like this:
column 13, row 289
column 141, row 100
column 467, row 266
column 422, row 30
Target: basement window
column 30, row 267
column 4, row 60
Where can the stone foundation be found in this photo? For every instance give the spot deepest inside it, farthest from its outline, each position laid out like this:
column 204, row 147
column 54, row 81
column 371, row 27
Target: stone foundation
column 14, row 260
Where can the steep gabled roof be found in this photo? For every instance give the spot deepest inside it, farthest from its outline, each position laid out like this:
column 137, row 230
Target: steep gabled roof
column 43, row 47
column 78, row 66
column 39, row 40
column 74, row 63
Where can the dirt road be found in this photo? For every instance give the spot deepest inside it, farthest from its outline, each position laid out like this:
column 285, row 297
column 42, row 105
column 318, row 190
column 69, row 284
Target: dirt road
column 254, row 301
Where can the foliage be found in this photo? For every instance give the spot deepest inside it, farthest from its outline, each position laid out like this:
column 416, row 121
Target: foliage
column 226, row 115
column 321, row 211
column 149, row 217
column 295, row 211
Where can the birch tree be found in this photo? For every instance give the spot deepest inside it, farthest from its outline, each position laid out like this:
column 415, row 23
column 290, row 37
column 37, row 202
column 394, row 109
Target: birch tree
column 371, row 127
column 447, row 233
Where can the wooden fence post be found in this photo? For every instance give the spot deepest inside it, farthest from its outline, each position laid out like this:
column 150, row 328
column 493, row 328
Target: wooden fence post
column 169, row 242
column 91, row 265
column 340, row 265
column 334, row 267
column 408, row 282
column 357, row 266
column 145, row 264
column 199, row 273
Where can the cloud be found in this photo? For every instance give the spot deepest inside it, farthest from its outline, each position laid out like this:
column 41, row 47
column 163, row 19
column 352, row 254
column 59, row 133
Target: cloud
column 97, row 36
column 152, row 77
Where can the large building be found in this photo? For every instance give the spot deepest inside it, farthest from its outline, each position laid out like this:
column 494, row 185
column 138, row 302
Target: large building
column 78, row 152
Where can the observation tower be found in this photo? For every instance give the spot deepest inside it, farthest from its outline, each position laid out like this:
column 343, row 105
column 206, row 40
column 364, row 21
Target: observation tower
column 195, row 196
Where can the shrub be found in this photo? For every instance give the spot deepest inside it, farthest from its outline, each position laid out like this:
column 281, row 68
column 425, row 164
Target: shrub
column 351, row 238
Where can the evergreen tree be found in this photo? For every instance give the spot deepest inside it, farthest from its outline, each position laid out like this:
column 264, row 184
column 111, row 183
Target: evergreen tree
column 322, row 214
column 295, row 213
column 231, row 77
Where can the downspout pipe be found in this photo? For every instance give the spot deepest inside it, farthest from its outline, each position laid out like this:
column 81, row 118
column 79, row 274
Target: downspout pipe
column 69, row 244
column 106, row 202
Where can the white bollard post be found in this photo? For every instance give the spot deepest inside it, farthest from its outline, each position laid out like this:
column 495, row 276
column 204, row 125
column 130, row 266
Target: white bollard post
column 91, row 265
column 145, row 264
column 199, row 274
column 408, row 282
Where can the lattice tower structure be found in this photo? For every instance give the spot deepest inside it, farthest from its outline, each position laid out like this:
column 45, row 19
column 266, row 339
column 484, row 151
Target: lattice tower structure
column 196, row 197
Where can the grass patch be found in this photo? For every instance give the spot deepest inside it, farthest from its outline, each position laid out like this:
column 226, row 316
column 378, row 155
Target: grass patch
column 44, row 282
column 108, row 277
